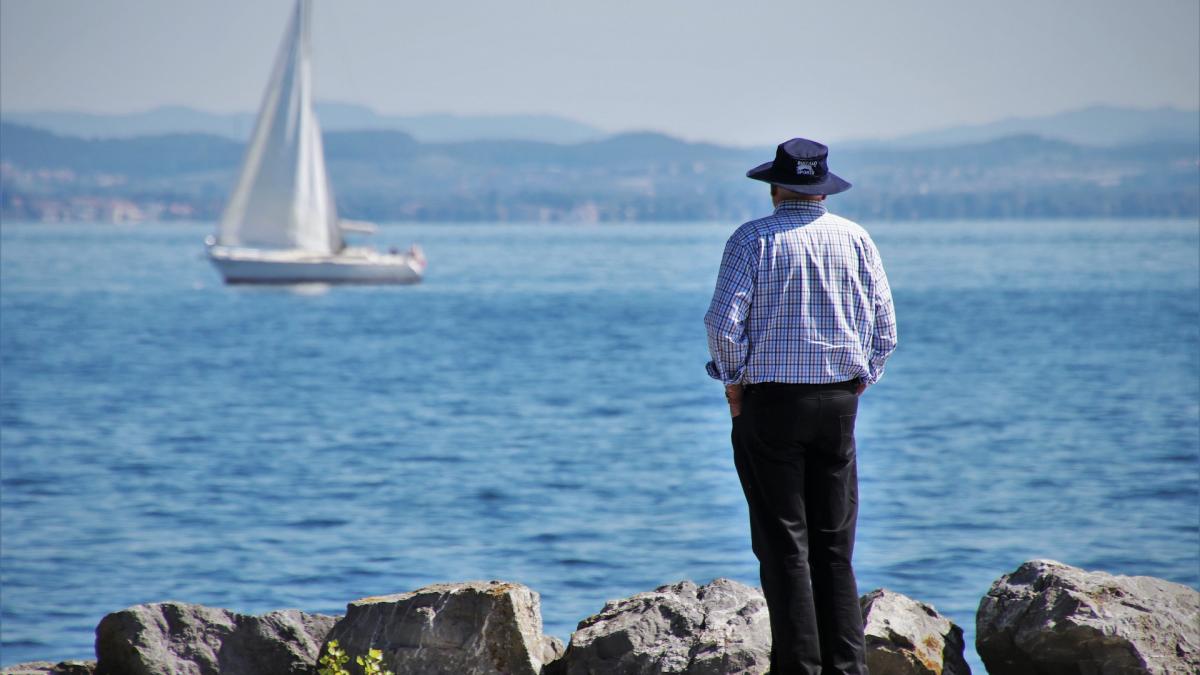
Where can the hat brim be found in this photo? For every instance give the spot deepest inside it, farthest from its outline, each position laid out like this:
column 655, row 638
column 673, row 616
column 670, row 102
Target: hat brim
column 830, row 184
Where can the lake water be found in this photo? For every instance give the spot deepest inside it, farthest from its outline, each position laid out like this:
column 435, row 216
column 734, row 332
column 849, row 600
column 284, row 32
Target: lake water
column 537, row 411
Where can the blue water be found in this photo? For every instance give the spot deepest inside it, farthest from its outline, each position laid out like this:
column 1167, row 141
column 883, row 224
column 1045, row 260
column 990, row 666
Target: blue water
column 537, row 411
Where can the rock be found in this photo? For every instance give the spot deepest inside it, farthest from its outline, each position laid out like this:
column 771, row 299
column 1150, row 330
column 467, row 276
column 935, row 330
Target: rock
column 718, row 629
column 175, row 638
column 469, row 628
column 29, row 668
column 907, row 637
column 48, row 668
column 1048, row 618
column 283, row 641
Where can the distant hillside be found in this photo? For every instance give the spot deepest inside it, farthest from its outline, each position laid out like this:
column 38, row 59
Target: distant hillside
column 333, row 116
column 1098, row 125
column 1104, row 126
column 143, row 156
column 389, row 175
column 440, row 128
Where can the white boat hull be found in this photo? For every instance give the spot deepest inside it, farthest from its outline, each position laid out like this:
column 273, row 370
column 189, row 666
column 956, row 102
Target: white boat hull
column 351, row 266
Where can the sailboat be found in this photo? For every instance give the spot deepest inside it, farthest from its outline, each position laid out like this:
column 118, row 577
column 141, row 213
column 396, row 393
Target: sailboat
column 280, row 225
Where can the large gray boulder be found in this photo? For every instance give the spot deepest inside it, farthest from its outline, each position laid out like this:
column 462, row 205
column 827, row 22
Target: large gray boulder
column 907, row 637
column 469, row 628
column 718, row 629
column 175, row 638
column 1047, row 618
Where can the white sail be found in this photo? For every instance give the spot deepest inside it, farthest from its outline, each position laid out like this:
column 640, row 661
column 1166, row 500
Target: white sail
column 282, row 199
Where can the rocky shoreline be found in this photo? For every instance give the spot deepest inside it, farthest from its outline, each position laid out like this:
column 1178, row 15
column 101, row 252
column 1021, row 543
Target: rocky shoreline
column 1045, row 618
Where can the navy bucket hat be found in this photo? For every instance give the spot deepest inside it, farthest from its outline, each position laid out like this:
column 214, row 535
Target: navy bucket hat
column 800, row 166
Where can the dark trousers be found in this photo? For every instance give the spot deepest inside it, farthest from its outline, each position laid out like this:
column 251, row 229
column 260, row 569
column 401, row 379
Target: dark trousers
column 793, row 445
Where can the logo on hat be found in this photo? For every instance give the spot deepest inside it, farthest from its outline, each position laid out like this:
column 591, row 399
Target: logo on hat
column 805, row 168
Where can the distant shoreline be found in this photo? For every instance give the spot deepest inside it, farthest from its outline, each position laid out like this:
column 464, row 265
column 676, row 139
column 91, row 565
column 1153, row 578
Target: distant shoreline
column 387, row 175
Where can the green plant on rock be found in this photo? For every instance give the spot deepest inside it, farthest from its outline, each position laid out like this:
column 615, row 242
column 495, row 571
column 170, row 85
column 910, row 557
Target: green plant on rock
column 332, row 662
column 372, row 663
column 336, row 658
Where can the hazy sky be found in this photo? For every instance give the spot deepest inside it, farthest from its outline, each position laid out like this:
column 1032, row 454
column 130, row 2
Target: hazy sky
column 742, row 72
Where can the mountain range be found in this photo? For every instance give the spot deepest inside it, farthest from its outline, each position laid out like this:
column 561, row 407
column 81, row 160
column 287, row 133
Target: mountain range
column 389, row 175
column 334, row 117
column 1106, row 126
column 1096, row 125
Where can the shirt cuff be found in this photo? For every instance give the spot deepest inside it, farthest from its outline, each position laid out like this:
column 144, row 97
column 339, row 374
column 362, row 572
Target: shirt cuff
column 715, row 373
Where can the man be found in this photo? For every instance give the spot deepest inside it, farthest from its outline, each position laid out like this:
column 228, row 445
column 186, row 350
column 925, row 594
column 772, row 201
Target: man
column 800, row 325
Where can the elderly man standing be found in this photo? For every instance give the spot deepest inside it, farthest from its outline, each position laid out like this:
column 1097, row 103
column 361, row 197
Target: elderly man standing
column 799, row 326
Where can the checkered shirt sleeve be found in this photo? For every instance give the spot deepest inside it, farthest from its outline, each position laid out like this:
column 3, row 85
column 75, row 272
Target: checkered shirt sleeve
column 883, row 337
column 728, row 340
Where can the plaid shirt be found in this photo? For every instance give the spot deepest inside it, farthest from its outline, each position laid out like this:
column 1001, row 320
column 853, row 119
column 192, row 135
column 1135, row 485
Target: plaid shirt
column 801, row 297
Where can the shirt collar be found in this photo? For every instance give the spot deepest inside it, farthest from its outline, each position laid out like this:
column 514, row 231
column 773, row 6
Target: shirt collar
column 802, row 206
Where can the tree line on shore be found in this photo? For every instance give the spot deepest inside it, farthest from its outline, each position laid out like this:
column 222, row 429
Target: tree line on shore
column 386, row 175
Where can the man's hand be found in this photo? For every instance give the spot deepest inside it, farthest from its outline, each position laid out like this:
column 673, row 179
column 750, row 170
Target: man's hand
column 862, row 386
column 733, row 394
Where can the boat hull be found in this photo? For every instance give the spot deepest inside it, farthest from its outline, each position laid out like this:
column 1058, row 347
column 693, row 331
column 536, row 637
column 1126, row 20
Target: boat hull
column 252, row 266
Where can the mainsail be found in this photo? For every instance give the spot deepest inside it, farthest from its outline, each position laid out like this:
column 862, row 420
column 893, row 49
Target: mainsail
column 282, row 199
